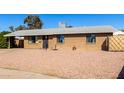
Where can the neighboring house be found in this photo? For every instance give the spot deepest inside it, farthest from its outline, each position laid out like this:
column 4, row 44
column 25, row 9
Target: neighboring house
column 120, row 33
column 87, row 37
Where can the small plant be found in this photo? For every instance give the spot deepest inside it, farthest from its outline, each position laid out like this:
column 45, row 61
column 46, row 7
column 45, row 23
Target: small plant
column 74, row 48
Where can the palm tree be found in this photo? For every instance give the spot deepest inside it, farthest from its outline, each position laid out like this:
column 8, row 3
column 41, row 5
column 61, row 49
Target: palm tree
column 33, row 22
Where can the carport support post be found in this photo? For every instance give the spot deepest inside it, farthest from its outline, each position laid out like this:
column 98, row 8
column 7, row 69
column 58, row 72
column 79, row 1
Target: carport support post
column 8, row 42
column 107, row 43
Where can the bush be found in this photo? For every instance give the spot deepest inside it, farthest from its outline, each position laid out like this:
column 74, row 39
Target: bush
column 3, row 40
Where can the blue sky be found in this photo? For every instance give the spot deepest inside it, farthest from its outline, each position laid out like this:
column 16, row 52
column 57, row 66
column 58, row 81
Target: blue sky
column 51, row 20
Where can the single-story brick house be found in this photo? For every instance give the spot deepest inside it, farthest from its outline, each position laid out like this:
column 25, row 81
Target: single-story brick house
column 86, row 37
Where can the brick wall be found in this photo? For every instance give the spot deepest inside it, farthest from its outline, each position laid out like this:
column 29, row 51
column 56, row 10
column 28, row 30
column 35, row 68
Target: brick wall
column 77, row 40
column 33, row 45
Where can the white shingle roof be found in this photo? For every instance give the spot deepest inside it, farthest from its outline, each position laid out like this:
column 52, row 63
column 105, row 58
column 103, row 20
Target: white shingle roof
column 55, row 31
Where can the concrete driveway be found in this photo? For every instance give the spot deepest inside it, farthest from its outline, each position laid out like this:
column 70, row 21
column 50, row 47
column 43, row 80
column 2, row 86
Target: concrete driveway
column 17, row 74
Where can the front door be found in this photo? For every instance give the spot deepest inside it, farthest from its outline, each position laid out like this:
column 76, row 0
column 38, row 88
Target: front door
column 21, row 44
column 45, row 42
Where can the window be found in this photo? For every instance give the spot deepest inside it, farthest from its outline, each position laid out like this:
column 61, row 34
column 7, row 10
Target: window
column 32, row 39
column 60, row 39
column 91, row 38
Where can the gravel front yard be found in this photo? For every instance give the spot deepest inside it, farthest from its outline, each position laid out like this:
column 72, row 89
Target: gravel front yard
column 64, row 63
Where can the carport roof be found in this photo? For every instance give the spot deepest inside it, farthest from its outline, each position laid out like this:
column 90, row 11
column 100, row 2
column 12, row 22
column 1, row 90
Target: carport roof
column 56, row 31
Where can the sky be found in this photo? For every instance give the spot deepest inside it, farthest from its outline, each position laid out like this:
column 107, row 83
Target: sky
column 52, row 20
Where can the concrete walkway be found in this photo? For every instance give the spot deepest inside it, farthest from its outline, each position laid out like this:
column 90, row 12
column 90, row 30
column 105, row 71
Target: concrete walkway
column 16, row 74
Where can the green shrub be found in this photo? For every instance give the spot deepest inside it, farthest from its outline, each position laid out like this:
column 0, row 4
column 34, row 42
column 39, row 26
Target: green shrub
column 3, row 40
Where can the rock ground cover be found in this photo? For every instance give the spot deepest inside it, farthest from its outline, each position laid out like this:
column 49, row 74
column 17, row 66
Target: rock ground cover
column 64, row 63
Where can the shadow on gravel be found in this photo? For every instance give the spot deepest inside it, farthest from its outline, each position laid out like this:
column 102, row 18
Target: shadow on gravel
column 121, row 74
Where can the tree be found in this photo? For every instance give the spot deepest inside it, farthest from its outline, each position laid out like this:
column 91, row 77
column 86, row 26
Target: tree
column 122, row 30
column 33, row 22
column 21, row 27
column 12, row 28
column 3, row 40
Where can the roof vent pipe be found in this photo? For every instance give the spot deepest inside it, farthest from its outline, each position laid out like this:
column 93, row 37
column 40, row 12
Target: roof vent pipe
column 62, row 25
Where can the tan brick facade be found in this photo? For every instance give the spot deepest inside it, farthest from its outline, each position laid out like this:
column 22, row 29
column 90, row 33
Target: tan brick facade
column 38, row 43
column 77, row 40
